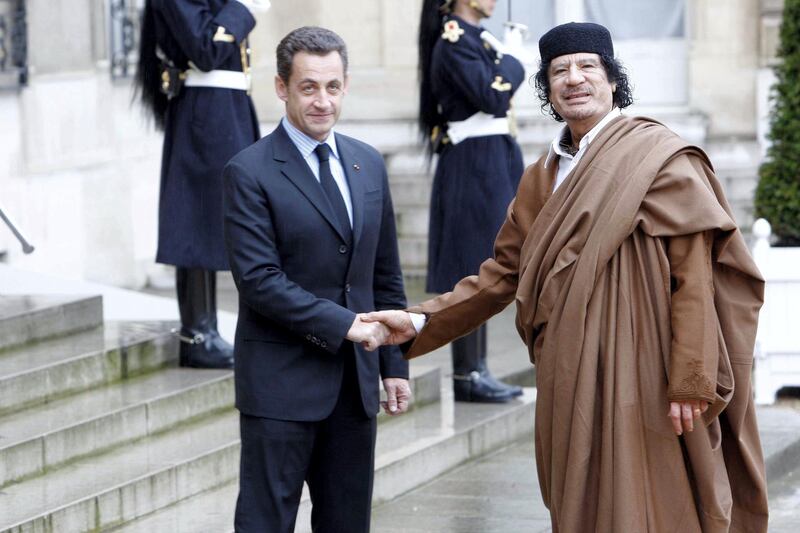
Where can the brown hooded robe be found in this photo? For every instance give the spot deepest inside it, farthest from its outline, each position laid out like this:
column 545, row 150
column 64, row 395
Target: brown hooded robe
column 633, row 287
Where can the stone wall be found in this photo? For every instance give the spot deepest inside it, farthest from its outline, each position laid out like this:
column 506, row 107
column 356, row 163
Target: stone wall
column 723, row 61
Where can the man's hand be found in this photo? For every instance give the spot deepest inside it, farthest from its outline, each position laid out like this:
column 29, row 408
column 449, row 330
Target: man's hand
column 398, row 396
column 400, row 327
column 371, row 335
column 683, row 414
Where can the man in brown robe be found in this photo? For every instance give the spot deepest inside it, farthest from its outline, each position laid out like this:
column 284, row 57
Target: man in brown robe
column 638, row 301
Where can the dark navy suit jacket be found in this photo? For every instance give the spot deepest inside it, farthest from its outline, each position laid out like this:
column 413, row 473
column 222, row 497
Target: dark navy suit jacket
column 300, row 281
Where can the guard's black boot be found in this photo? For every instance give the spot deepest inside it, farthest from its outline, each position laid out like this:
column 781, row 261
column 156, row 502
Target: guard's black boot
column 483, row 368
column 201, row 345
column 472, row 381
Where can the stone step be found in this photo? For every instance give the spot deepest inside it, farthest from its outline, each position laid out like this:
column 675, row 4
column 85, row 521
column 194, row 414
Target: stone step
column 101, row 491
column 412, row 221
column 25, row 319
column 415, row 449
column 40, row 438
column 410, row 159
column 410, row 191
column 50, row 369
column 413, row 254
column 411, row 450
column 425, row 381
column 779, row 428
column 207, row 512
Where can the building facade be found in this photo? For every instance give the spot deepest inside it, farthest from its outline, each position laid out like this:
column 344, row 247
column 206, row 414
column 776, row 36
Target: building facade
column 79, row 165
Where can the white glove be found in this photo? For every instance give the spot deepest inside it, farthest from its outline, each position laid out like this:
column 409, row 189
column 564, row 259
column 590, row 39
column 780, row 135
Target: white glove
column 513, row 43
column 514, row 35
column 256, row 6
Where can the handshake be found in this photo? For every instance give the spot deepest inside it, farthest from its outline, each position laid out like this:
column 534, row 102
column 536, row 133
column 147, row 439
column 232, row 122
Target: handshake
column 380, row 328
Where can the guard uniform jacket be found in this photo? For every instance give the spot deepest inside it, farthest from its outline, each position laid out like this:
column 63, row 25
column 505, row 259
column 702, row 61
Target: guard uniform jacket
column 475, row 179
column 204, row 128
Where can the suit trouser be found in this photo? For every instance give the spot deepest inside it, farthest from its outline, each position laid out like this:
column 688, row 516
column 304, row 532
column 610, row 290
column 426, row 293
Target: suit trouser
column 335, row 456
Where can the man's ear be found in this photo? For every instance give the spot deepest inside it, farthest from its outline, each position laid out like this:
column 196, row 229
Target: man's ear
column 281, row 89
column 613, row 87
column 346, row 83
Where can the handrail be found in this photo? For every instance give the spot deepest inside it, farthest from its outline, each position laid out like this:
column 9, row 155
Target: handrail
column 26, row 246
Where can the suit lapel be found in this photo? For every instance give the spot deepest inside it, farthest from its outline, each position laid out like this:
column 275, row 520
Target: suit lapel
column 297, row 171
column 356, row 181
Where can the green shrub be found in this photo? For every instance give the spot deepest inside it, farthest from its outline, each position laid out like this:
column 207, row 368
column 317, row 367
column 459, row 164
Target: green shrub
column 778, row 192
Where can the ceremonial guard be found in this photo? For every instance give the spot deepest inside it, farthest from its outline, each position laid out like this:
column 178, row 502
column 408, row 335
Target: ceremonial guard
column 467, row 80
column 194, row 79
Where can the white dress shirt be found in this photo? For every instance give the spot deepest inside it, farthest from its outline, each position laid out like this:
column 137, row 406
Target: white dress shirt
column 306, row 146
column 566, row 161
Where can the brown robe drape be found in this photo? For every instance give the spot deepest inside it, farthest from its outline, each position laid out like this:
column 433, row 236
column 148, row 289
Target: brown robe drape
column 633, row 287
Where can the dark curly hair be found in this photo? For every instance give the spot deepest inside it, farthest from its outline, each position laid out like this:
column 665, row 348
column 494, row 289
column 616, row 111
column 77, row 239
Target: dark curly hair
column 615, row 73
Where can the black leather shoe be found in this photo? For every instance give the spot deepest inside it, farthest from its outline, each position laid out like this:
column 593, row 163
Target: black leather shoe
column 515, row 390
column 476, row 388
column 205, row 350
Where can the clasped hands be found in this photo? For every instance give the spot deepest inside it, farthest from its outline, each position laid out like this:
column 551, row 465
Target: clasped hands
column 380, row 328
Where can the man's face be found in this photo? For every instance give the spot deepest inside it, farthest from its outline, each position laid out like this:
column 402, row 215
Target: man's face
column 314, row 92
column 579, row 88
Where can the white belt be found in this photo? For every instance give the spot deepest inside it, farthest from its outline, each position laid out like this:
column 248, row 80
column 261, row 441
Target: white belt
column 222, row 79
column 478, row 125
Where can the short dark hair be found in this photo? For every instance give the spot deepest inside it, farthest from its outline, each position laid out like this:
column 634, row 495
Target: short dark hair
column 311, row 39
column 615, row 73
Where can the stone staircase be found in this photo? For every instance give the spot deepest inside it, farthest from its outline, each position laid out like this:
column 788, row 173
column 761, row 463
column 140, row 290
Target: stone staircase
column 411, row 179
column 101, row 431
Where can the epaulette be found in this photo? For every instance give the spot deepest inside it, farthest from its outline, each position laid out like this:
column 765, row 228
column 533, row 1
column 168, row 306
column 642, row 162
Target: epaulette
column 452, row 31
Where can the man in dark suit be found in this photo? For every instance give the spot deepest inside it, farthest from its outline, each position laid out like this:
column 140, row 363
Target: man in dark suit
column 310, row 232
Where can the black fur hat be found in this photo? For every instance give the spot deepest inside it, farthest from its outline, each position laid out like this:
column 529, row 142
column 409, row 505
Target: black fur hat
column 573, row 38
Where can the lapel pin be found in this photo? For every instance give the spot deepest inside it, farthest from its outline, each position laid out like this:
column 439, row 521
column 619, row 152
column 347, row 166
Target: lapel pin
column 356, row 167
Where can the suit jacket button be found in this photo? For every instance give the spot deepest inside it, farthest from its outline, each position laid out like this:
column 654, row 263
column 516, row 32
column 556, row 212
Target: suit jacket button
column 308, row 337
column 324, row 344
column 342, row 249
column 347, row 287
